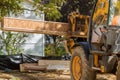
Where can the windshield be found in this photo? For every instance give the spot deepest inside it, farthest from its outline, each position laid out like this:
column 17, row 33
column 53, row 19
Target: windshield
column 114, row 13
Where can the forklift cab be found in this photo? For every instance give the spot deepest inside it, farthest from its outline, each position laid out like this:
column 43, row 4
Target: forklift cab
column 105, row 27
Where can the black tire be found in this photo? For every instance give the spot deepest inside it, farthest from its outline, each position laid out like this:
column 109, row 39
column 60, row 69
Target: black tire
column 118, row 71
column 86, row 73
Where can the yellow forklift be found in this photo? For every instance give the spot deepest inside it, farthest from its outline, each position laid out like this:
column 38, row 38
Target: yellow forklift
column 94, row 42
column 102, row 50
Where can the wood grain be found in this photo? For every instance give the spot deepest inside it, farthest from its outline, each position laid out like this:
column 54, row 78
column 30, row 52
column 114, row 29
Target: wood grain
column 36, row 26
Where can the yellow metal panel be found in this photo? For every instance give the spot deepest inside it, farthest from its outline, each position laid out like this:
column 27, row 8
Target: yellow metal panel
column 96, row 60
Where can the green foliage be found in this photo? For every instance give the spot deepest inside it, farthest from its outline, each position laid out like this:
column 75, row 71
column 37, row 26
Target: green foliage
column 60, row 50
column 83, row 6
column 8, row 7
column 55, row 50
column 49, row 50
column 8, row 40
column 49, row 7
column 57, row 2
column 52, row 13
column 10, row 43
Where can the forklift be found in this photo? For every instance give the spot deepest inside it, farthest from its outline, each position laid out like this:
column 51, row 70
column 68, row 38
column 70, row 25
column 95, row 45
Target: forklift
column 93, row 41
column 101, row 52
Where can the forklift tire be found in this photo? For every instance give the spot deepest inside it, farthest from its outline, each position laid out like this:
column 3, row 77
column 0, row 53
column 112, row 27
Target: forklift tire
column 118, row 71
column 79, row 67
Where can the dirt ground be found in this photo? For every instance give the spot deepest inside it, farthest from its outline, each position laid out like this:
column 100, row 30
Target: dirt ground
column 16, row 75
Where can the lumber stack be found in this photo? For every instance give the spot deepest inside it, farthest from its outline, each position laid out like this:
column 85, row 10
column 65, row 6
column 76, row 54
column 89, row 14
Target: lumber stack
column 45, row 65
column 26, row 67
column 55, row 64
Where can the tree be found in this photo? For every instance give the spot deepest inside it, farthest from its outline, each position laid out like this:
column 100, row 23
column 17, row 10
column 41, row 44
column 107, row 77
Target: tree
column 83, row 6
column 8, row 7
column 55, row 47
column 9, row 40
column 49, row 7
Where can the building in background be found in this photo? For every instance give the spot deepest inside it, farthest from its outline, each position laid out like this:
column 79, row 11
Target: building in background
column 34, row 45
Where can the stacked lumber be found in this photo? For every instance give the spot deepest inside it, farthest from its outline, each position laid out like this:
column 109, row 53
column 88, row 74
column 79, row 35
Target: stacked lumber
column 46, row 65
column 55, row 64
column 28, row 67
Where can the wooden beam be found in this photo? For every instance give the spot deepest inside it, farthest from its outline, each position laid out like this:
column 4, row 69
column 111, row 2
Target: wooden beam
column 48, row 65
column 31, row 67
column 5, row 76
column 55, row 64
column 36, row 26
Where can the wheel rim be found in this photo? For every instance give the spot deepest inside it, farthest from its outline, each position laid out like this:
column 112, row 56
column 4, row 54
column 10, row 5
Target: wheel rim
column 76, row 67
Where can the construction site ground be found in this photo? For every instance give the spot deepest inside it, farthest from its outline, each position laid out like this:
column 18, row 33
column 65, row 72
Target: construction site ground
column 16, row 75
